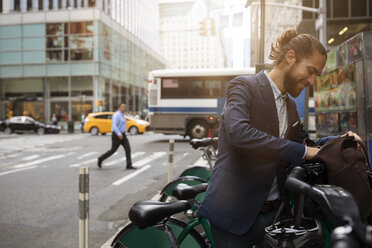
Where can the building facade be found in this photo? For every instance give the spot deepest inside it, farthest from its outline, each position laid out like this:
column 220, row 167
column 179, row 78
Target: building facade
column 181, row 39
column 68, row 57
column 345, row 18
column 277, row 20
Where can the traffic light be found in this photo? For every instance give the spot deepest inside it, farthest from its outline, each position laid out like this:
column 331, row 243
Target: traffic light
column 203, row 28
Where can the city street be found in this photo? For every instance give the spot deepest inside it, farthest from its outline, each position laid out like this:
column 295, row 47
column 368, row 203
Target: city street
column 39, row 184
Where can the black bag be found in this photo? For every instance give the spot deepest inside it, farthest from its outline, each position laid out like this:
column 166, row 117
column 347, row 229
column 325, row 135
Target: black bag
column 349, row 168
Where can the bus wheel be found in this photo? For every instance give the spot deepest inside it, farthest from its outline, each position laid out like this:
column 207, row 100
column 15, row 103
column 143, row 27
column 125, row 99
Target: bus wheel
column 197, row 129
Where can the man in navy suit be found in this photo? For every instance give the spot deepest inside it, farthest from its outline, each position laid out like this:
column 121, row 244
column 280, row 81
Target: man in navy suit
column 260, row 137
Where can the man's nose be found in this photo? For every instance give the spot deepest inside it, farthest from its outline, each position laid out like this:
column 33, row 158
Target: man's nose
column 312, row 80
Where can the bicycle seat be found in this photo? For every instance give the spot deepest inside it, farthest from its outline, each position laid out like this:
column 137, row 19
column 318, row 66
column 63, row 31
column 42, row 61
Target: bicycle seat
column 185, row 192
column 148, row 213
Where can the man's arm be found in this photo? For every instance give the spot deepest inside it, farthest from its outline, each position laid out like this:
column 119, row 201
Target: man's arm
column 114, row 125
column 243, row 136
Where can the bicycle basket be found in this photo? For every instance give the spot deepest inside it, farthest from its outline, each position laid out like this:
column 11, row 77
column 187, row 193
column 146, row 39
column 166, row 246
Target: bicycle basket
column 285, row 234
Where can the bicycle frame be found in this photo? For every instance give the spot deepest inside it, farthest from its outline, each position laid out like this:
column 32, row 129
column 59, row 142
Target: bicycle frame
column 193, row 223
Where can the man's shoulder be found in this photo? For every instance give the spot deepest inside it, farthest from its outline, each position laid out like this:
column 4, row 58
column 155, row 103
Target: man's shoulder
column 244, row 82
column 116, row 113
column 245, row 79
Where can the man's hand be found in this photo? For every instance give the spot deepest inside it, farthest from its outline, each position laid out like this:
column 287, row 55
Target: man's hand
column 356, row 136
column 120, row 136
column 350, row 133
column 311, row 152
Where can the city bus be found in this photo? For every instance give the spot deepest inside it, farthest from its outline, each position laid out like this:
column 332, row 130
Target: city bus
column 188, row 101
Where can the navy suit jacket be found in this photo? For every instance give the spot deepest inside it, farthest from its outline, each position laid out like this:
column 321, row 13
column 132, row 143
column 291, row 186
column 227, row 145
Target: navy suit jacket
column 250, row 154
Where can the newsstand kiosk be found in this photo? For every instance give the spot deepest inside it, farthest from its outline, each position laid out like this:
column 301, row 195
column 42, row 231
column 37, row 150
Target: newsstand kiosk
column 343, row 94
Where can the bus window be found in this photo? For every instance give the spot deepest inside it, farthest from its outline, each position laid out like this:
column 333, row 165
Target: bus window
column 213, row 88
column 197, row 89
column 172, row 88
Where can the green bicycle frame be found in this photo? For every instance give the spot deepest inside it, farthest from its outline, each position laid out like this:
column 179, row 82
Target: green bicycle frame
column 193, row 223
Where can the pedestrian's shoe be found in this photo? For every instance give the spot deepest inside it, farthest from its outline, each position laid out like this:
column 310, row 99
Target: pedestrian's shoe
column 99, row 163
column 130, row 167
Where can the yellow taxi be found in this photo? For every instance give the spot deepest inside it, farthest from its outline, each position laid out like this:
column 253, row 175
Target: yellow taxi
column 100, row 122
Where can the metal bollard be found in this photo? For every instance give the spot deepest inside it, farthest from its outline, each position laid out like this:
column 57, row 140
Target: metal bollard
column 170, row 167
column 83, row 207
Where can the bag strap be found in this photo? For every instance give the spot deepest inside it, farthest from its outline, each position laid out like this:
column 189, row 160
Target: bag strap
column 364, row 152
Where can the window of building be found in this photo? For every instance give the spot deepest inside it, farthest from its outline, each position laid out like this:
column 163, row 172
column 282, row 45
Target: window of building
column 29, row 5
column 1, row 6
column 40, row 4
column 81, row 47
column 341, row 8
column 358, row 8
column 82, row 86
column 328, row 8
column 60, row 108
column 79, row 107
column 91, row 3
column 17, row 5
column 81, row 27
column 55, row 41
column 58, row 86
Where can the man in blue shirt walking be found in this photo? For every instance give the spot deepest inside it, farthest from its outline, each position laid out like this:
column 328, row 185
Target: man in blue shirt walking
column 118, row 128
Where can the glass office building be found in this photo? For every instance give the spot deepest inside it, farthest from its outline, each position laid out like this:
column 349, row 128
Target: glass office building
column 69, row 57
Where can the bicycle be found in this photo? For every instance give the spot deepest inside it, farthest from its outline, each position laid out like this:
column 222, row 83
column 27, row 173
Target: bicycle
column 196, row 174
column 331, row 207
column 152, row 225
column 351, row 235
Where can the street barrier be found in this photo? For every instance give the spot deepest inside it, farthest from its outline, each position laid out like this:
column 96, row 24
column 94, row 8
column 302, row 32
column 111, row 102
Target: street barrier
column 170, row 161
column 83, row 207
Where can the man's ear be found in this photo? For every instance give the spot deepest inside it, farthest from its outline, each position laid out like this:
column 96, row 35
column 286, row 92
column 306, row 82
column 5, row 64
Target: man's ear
column 290, row 57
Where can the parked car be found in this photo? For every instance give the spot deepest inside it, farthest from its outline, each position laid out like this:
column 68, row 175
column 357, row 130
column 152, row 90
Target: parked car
column 27, row 124
column 100, row 122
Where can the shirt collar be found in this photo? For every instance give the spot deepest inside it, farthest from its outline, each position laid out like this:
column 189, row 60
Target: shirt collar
column 275, row 89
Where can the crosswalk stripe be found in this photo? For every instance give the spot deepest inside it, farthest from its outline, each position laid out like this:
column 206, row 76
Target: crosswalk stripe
column 84, row 162
column 127, row 177
column 39, row 161
column 86, row 155
column 146, row 160
column 30, row 157
column 17, row 170
column 116, row 161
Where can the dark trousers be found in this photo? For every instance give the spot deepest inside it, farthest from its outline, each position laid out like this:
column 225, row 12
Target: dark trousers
column 116, row 142
column 254, row 236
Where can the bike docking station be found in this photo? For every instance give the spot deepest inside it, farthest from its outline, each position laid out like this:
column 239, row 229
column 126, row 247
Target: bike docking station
column 170, row 160
column 83, row 207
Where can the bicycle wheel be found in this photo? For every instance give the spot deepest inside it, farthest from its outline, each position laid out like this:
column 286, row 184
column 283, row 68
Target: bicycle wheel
column 197, row 171
column 133, row 237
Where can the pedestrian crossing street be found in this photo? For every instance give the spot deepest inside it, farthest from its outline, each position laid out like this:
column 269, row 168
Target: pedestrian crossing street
column 141, row 160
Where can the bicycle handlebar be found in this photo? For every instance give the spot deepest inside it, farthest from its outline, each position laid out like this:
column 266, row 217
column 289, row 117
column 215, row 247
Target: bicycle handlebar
column 197, row 143
column 294, row 183
column 341, row 236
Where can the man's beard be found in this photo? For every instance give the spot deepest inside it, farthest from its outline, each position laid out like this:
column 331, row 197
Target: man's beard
column 290, row 84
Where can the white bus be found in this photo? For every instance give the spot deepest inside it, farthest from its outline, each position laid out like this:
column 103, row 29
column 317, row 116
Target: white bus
column 188, row 101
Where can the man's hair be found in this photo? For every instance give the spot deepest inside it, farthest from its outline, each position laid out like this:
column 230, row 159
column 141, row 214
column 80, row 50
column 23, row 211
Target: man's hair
column 303, row 45
column 121, row 104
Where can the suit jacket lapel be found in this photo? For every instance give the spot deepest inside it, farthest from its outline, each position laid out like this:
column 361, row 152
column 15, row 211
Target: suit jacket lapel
column 268, row 96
